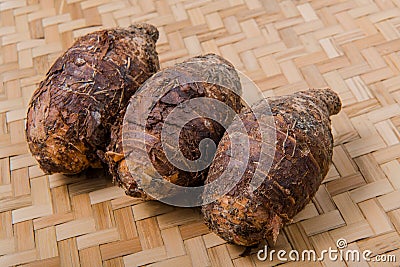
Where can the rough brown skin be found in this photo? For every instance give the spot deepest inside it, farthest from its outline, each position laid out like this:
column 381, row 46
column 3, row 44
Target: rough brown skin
column 84, row 93
column 303, row 153
column 191, row 134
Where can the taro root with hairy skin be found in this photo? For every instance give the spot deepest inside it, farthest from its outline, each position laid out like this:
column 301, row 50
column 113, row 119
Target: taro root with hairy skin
column 170, row 88
column 84, row 93
column 303, row 152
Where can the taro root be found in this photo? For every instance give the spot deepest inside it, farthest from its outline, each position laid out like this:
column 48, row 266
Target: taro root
column 208, row 76
column 83, row 94
column 303, row 152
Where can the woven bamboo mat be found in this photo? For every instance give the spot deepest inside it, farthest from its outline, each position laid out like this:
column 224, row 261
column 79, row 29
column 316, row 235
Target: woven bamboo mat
column 284, row 46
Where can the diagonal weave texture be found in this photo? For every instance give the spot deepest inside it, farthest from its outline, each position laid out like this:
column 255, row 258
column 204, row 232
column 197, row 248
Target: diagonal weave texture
column 284, row 46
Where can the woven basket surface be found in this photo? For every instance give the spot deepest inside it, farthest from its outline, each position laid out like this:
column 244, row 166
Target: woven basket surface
column 284, row 46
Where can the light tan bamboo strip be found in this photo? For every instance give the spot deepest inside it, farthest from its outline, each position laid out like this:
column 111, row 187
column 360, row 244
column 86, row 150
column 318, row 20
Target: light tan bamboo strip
column 97, row 238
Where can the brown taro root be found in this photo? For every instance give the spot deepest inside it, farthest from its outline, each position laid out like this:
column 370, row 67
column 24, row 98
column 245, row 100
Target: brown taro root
column 168, row 89
column 84, row 92
column 303, row 152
